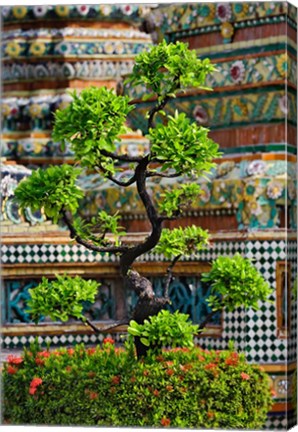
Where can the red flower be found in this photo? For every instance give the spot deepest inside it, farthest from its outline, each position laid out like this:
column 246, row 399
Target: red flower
column 108, row 341
column 186, row 367
column 165, row 422
column 91, row 351
column 44, row 354
column 91, row 374
column 116, row 379
column 146, row 373
column 68, row 368
column 210, row 366
column 169, row 363
column 156, row 393
column 36, row 382
column 232, row 360
column 11, row 370
column 170, row 372
column 11, row 359
column 133, row 379
column 169, row 388
column 210, row 414
column 39, row 361
column 245, row 376
column 70, row 351
column 93, row 395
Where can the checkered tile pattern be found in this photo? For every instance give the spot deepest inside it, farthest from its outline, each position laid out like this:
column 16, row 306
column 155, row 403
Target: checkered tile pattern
column 18, row 342
column 38, row 254
column 292, row 342
column 280, row 422
column 262, row 343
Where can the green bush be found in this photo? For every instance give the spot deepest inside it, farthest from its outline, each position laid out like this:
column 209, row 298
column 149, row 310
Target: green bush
column 107, row 386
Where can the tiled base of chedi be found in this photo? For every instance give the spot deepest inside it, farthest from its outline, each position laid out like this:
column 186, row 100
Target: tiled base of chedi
column 249, row 202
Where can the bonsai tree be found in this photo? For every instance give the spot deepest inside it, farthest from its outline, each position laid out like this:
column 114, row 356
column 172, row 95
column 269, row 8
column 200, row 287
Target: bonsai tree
column 179, row 148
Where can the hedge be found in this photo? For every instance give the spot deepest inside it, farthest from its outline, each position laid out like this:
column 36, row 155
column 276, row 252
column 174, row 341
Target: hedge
column 108, row 386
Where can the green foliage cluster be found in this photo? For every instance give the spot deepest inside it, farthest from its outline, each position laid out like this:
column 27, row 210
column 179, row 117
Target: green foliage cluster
column 183, row 146
column 91, row 124
column 235, row 282
column 182, row 241
column 166, row 68
column 98, row 227
column 107, row 386
column 52, row 189
column 175, row 200
column 165, row 329
column 62, row 298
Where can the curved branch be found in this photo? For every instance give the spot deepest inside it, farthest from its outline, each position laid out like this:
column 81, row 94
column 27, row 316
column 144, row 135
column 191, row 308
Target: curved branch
column 122, row 158
column 129, row 182
column 73, row 234
column 106, row 327
column 128, row 257
column 163, row 102
column 155, row 110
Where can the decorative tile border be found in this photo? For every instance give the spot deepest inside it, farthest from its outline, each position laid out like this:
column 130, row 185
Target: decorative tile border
column 247, row 48
column 75, row 32
column 61, row 70
column 188, row 17
column 18, row 49
column 124, row 12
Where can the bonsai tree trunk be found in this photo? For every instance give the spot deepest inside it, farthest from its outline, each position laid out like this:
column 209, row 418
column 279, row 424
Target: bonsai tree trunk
column 147, row 305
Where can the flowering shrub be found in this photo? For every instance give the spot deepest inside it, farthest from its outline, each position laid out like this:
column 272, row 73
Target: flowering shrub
column 107, row 386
